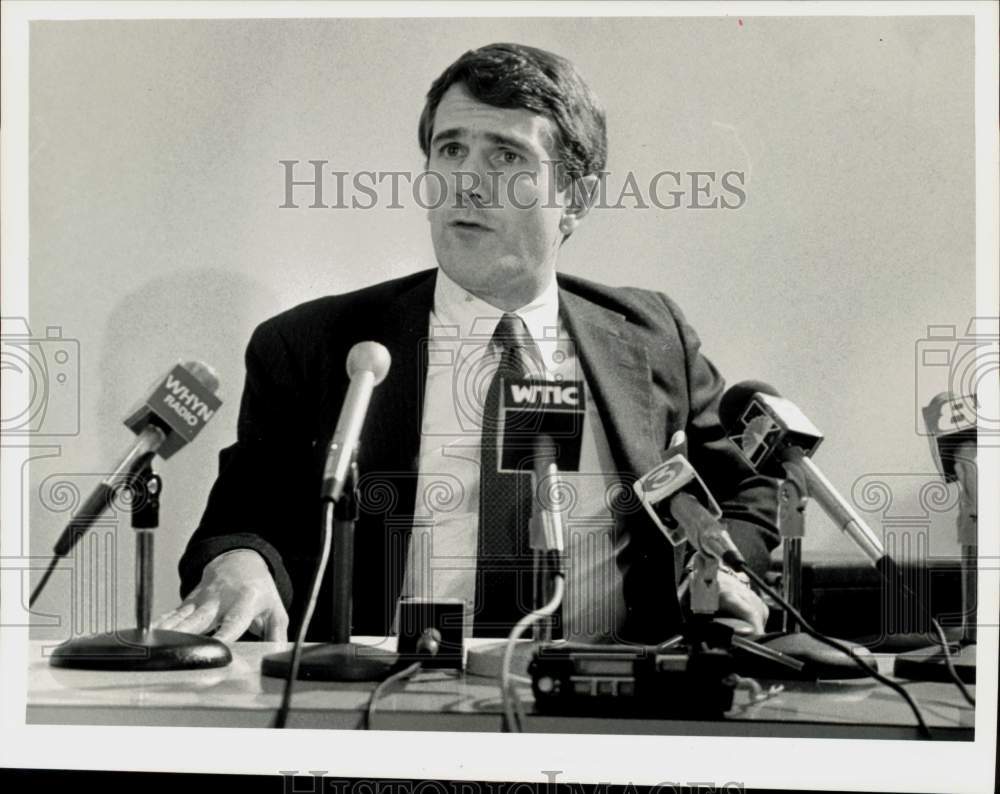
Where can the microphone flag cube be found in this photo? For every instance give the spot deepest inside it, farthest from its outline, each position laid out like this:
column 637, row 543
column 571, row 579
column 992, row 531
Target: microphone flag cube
column 658, row 486
column 531, row 408
column 181, row 403
column 768, row 424
column 950, row 421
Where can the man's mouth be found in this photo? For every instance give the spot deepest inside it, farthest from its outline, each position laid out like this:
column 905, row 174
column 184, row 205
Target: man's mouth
column 469, row 224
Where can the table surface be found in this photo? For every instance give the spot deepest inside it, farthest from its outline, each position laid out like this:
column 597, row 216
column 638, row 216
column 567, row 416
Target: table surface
column 441, row 700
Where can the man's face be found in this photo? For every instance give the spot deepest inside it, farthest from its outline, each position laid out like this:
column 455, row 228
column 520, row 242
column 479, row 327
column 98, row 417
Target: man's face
column 496, row 232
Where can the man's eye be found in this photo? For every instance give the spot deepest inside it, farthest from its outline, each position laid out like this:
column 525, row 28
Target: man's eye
column 450, row 150
column 508, row 157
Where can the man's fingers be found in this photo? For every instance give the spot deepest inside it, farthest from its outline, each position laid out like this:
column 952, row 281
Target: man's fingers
column 235, row 624
column 201, row 620
column 765, row 610
column 757, row 611
column 757, row 620
column 744, row 604
column 277, row 626
column 168, row 620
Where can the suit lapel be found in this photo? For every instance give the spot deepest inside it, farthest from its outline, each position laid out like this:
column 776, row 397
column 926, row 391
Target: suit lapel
column 389, row 458
column 614, row 359
column 616, row 366
column 394, row 419
column 615, row 363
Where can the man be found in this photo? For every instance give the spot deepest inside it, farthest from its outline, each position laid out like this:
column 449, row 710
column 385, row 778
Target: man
column 495, row 123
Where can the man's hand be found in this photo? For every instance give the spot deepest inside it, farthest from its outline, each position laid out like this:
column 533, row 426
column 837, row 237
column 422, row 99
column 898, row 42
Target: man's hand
column 236, row 593
column 737, row 600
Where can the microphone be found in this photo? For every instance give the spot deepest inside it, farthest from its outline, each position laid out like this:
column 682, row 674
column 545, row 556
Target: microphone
column 952, row 433
column 674, row 492
column 367, row 365
column 683, row 508
column 174, row 413
column 540, row 431
column 547, row 530
column 681, row 505
column 776, row 437
column 950, row 422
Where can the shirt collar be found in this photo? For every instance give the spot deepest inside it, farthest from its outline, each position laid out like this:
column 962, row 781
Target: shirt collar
column 473, row 317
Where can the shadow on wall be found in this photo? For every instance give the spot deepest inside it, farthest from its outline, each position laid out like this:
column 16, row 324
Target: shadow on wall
column 204, row 315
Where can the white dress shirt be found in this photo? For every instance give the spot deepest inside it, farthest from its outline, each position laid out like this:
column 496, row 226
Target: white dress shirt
column 441, row 560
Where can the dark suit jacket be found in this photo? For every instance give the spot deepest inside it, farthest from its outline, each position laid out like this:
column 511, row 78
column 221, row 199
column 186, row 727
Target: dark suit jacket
column 640, row 359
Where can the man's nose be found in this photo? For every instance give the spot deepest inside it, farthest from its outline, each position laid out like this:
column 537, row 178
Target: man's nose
column 473, row 181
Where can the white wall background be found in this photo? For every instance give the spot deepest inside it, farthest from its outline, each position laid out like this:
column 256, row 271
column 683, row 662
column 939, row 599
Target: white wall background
column 156, row 233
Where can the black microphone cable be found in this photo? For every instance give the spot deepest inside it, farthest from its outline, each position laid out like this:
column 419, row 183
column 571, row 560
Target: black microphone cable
column 950, row 664
column 98, row 502
column 45, row 578
column 735, row 562
column 893, row 578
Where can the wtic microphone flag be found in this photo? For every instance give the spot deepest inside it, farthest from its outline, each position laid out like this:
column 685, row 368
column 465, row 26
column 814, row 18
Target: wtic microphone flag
column 182, row 402
column 530, row 408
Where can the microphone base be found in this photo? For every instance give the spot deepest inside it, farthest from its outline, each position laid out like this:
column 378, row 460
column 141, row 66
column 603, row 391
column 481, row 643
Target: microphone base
column 928, row 664
column 334, row 662
column 821, row 661
column 136, row 650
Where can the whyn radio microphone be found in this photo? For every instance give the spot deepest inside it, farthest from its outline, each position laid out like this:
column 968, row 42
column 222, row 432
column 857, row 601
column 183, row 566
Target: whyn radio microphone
column 367, row 365
column 174, row 413
column 179, row 406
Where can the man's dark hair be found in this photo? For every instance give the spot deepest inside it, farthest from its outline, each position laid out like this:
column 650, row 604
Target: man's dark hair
column 516, row 76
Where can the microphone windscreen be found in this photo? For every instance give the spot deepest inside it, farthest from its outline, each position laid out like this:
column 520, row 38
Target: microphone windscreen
column 369, row 357
column 203, row 373
column 738, row 397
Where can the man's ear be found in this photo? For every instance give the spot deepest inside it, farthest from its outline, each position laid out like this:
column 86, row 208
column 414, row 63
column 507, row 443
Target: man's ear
column 581, row 195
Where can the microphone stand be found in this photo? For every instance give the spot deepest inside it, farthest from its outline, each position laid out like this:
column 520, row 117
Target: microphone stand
column 341, row 659
column 142, row 648
column 704, row 629
column 929, row 664
column 820, row 661
column 546, row 540
column 792, row 526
